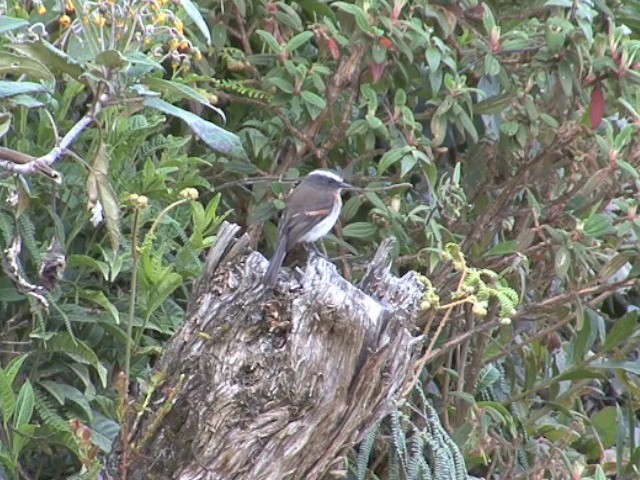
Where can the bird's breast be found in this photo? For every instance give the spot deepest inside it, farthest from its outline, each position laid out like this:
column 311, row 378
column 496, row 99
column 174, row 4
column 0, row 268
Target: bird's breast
column 324, row 226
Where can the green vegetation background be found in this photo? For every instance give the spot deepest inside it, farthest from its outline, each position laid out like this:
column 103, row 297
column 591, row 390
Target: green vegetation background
column 509, row 130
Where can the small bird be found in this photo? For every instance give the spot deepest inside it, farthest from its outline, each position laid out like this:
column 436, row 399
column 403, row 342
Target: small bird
column 310, row 213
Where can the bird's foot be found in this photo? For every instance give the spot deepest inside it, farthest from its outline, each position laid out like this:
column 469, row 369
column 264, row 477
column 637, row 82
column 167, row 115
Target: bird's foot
column 312, row 249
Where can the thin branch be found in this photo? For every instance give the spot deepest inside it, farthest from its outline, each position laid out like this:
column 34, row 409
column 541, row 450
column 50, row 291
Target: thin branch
column 17, row 162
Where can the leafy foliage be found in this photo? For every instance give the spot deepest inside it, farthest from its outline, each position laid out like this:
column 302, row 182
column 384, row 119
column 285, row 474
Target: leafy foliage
column 497, row 141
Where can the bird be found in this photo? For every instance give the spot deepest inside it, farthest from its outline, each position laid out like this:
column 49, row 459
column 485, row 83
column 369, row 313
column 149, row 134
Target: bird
column 310, row 213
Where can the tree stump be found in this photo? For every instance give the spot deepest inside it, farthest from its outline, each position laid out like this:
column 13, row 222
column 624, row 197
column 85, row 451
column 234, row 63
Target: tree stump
column 275, row 384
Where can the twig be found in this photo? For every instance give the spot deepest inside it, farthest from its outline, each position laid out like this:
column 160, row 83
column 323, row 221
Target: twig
column 43, row 164
column 427, row 355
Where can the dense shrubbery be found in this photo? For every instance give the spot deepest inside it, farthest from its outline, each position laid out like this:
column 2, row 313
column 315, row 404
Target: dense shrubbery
column 509, row 131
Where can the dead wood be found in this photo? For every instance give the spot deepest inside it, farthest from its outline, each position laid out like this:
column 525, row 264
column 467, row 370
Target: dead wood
column 274, row 385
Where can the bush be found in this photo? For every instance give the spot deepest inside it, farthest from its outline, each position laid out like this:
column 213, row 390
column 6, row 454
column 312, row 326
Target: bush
column 497, row 142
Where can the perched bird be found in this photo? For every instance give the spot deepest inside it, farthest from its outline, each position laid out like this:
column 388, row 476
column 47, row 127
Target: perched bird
column 310, row 213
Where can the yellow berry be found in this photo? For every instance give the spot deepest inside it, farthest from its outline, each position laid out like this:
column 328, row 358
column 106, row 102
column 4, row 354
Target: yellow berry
column 64, row 21
column 42, row 10
column 173, row 44
column 189, row 193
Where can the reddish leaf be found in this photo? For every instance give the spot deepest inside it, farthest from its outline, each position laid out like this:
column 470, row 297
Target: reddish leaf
column 377, row 70
column 333, row 46
column 597, row 107
column 385, row 42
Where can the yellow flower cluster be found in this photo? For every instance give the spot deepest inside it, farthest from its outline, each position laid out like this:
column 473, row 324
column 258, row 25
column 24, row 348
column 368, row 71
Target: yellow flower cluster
column 152, row 26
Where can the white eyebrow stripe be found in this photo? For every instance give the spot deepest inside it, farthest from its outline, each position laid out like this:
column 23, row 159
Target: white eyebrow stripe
column 326, row 173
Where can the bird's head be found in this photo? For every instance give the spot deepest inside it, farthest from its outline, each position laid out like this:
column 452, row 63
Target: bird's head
column 326, row 179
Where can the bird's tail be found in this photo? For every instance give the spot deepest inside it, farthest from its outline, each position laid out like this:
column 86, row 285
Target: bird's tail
column 271, row 277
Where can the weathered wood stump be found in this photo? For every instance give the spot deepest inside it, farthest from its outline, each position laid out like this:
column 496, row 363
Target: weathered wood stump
column 274, row 385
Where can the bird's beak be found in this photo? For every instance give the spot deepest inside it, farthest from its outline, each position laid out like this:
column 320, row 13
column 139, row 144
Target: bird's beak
column 346, row 186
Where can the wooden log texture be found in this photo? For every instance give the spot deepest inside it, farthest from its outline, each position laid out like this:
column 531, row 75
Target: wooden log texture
column 275, row 384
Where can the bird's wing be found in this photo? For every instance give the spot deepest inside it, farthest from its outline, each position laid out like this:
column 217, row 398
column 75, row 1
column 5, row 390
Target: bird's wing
column 303, row 213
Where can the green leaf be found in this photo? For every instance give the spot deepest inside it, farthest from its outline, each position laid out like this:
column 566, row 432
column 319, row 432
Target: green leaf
column 627, row 168
column 313, row 99
column 194, row 13
column 219, row 35
column 498, row 409
column 55, row 59
column 141, row 65
column 24, row 405
column 112, row 59
column 359, row 14
column 270, row 40
column 214, row 136
column 582, row 374
column 288, row 16
column 597, row 225
column 8, row 464
column 360, row 230
column 12, row 64
column 10, row 23
column 281, row 83
column 24, row 435
column 299, row 40
column 379, row 53
column 7, row 397
column 351, row 207
column 627, row 366
column 315, row 7
column 162, row 290
column 503, row 248
column 468, row 125
column 172, row 87
column 491, row 65
column 87, row 261
column 373, row 121
column 64, row 343
column 492, row 105
column 599, row 474
column 11, row 89
column 509, row 128
column 622, row 330
column 605, row 423
column 99, row 298
column 14, row 366
column 408, row 162
column 488, row 376
column 104, row 431
column 566, row 77
column 434, row 57
column 63, row 393
column 549, row 120
column 613, row 266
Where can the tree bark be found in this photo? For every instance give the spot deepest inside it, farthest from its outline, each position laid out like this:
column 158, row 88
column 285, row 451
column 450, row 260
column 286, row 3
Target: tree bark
column 275, row 384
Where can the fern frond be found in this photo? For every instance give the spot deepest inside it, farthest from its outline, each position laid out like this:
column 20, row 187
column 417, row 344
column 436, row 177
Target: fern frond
column 242, row 88
column 6, row 229
column 364, row 452
column 48, row 412
column 28, row 235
